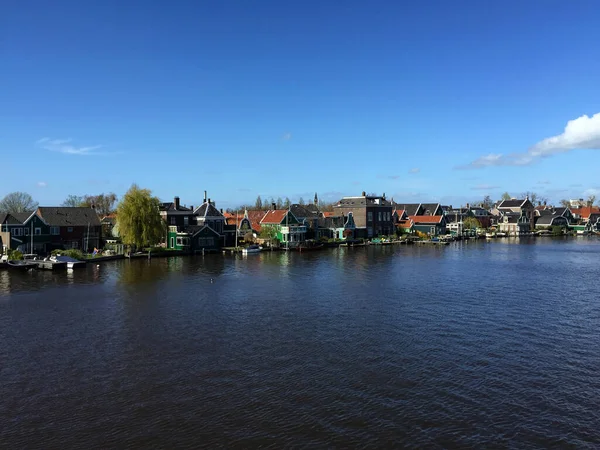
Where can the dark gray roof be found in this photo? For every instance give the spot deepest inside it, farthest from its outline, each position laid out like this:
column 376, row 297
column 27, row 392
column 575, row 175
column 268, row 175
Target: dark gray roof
column 193, row 229
column 411, row 208
column 549, row 219
column 63, row 216
column 595, row 217
column 207, row 209
column 562, row 211
column 9, row 219
column 332, row 222
column 304, row 211
column 22, row 216
column 513, row 217
column 170, row 206
column 512, row 203
column 430, row 209
column 363, row 201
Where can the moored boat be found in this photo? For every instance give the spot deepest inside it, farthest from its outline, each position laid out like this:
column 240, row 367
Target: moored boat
column 251, row 249
column 20, row 265
column 72, row 263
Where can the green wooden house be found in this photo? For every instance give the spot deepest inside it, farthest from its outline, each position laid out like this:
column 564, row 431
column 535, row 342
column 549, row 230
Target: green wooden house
column 287, row 228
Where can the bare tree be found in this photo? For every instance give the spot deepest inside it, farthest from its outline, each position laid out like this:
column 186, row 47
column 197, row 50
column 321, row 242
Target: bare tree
column 17, row 202
column 73, row 201
column 301, row 201
column 565, row 203
column 591, row 199
column 279, row 203
column 287, row 202
column 258, row 204
column 534, row 198
column 487, row 202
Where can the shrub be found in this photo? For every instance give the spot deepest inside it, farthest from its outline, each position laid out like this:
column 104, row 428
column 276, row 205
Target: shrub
column 72, row 253
column 14, row 254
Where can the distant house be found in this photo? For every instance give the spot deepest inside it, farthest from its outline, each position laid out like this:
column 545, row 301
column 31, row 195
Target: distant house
column 71, row 227
column 522, row 207
column 254, row 217
column 307, row 215
column 551, row 220
column 514, row 224
column 239, row 222
column 432, row 225
column 420, row 209
column 372, row 214
column 174, row 214
column 337, row 227
column 207, row 230
column 288, row 229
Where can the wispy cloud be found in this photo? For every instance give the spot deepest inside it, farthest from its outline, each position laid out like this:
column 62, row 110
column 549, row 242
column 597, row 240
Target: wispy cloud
column 484, row 187
column 66, row 146
column 544, row 182
column 355, row 183
column 286, row 136
column 582, row 133
column 42, row 184
column 414, row 170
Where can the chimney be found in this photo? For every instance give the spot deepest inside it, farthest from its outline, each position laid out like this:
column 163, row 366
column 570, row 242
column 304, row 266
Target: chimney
column 204, row 196
column 221, row 210
column 209, row 201
column 384, row 195
column 273, row 206
column 468, row 206
column 192, row 208
column 176, row 201
column 364, row 194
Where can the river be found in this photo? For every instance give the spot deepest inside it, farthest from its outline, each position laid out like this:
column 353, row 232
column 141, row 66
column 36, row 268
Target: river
column 474, row 345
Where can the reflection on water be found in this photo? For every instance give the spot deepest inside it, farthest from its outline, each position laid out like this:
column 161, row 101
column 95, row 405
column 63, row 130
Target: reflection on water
column 472, row 345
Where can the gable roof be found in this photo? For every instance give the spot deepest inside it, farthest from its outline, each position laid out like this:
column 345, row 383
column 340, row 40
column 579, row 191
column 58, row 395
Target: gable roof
column 65, row 216
column 275, row 216
column 304, row 211
column 408, row 223
column 22, row 216
column 330, row 214
column 430, row 209
column 170, row 206
column 9, row 219
column 585, row 211
column 512, row 203
column 411, row 209
column 548, row 219
column 207, row 210
column 426, row 219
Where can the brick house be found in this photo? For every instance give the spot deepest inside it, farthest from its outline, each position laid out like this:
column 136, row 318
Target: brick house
column 72, row 227
column 372, row 214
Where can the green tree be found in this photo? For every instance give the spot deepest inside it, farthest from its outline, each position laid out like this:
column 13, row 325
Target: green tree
column 471, row 223
column 138, row 218
column 17, row 202
column 73, row 201
column 506, row 196
column 268, row 233
column 287, row 203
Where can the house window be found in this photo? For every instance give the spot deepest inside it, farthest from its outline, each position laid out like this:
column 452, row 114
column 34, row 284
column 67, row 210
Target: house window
column 38, row 231
column 17, row 232
column 74, row 244
column 173, row 220
column 379, row 216
column 186, row 221
column 25, row 231
column 54, row 231
column 179, row 241
column 432, row 230
column 70, row 229
column 172, row 242
column 370, row 216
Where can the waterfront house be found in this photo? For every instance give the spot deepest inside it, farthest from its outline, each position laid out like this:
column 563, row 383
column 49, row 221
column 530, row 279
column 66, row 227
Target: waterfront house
column 239, row 222
column 254, row 217
column 514, row 223
column 398, row 215
column 432, row 225
column 308, row 215
column 337, row 227
column 70, row 227
column 108, row 223
column 287, row 227
column 175, row 214
column 419, row 209
column 207, row 231
column 583, row 214
column 372, row 214
column 546, row 221
column 522, row 207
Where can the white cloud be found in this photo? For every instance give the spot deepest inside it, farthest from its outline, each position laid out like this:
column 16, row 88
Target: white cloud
column 65, row 146
column 42, row 184
column 286, row 136
column 582, row 133
column 414, row 170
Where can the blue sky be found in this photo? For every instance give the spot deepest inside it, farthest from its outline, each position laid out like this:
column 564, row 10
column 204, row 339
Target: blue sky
column 433, row 100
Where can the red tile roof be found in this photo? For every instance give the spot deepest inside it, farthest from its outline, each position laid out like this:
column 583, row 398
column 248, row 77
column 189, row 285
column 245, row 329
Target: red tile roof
column 329, row 214
column 255, row 217
column 405, row 224
column 274, row 216
column 585, row 211
column 426, row 219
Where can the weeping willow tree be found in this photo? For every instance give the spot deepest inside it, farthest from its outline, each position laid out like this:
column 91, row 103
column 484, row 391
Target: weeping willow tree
column 138, row 219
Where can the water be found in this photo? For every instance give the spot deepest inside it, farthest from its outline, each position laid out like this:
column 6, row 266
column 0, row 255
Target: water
column 470, row 345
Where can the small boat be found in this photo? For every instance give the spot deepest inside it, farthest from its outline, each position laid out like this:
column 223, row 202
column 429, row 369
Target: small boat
column 72, row 263
column 490, row 235
column 20, row 265
column 251, row 249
